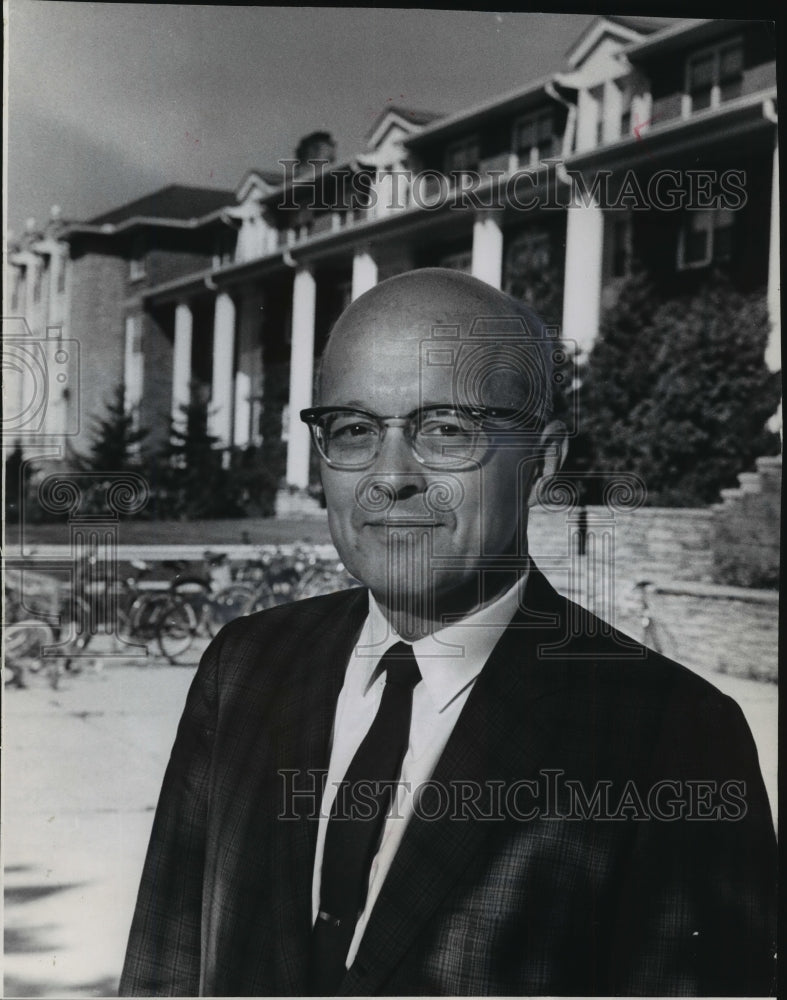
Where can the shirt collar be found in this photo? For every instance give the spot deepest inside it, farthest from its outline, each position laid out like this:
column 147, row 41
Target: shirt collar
column 448, row 659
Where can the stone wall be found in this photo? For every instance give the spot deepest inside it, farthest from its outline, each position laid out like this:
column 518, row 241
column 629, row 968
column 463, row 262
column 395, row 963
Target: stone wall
column 707, row 627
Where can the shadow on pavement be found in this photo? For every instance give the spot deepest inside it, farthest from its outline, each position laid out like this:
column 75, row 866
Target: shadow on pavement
column 15, row 986
column 30, row 893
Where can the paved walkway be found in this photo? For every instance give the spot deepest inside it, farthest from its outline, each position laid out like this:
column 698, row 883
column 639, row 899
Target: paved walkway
column 83, row 766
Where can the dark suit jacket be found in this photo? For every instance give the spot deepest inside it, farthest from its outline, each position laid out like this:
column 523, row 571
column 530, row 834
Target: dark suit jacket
column 612, row 902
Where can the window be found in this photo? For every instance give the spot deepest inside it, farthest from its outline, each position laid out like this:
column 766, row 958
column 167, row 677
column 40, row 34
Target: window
column 38, row 277
column 16, row 285
column 530, row 251
column 458, row 261
column 534, row 139
column 714, row 76
column 705, row 238
column 462, row 155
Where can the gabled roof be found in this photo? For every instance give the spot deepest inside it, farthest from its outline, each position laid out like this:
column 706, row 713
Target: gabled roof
column 410, row 115
column 627, row 29
column 270, row 179
column 176, row 201
column 642, row 25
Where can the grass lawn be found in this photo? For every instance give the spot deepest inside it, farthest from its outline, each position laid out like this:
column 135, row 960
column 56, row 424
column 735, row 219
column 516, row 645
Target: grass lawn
column 250, row 530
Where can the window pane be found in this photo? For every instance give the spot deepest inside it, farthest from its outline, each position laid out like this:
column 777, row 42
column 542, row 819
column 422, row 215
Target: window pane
column 526, row 136
column 731, row 61
column 701, row 72
column 545, row 127
column 696, row 248
column 700, row 99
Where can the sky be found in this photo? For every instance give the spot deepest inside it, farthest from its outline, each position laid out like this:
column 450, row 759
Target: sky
column 107, row 102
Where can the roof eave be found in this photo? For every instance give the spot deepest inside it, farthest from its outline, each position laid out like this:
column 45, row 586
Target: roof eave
column 463, row 119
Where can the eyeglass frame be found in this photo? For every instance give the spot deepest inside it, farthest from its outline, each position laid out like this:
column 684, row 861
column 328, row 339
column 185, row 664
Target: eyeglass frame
column 311, row 415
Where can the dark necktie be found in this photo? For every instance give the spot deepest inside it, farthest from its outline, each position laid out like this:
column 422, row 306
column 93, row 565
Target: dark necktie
column 357, row 819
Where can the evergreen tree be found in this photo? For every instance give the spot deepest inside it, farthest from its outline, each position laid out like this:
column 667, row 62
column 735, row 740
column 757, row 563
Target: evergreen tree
column 116, row 440
column 192, row 480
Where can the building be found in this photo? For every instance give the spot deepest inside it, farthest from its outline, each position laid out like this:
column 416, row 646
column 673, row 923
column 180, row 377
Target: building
column 657, row 144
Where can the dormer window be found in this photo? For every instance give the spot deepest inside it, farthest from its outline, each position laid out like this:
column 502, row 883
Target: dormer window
column 714, row 76
column 534, row 139
column 223, row 250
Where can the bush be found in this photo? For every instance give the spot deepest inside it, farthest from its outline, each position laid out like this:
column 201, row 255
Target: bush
column 678, row 392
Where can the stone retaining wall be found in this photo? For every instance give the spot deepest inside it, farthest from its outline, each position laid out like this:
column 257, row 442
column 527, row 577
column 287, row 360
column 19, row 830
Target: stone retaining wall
column 726, row 629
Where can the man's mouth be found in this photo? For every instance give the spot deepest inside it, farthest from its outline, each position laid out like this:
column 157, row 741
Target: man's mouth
column 405, row 522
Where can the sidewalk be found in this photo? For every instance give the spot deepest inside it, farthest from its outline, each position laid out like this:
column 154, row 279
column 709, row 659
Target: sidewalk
column 83, row 766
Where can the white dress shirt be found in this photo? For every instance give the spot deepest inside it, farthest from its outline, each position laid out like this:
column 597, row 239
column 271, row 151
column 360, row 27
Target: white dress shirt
column 449, row 661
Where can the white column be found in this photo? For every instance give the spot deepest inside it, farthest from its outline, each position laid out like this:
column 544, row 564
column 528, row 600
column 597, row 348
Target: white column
column 301, row 373
column 248, row 367
column 488, row 249
column 364, row 272
column 181, row 360
column 773, row 354
column 134, row 364
column 582, row 285
column 243, row 401
column 221, row 402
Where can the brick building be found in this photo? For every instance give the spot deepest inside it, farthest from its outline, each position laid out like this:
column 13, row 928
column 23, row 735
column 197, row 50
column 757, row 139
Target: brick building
column 657, row 144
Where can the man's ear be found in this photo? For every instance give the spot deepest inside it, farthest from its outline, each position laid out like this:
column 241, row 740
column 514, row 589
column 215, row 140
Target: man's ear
column 553, row 448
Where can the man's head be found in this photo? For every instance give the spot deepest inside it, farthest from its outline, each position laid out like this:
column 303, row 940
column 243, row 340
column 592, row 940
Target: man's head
column 417, row 508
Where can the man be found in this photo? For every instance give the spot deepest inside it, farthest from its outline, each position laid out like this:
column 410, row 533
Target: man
column 519, row 800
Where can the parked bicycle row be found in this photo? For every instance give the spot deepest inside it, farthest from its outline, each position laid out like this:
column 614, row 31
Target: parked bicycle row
column 54, row 630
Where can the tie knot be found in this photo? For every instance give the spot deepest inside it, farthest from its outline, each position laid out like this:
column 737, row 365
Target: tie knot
column 400, row 665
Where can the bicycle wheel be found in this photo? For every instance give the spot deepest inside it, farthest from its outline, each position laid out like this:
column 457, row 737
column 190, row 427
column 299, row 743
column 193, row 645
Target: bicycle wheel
column 142, row 619
column 231, row 602
column 176, row 628
column 196, row 592
column 264, row 597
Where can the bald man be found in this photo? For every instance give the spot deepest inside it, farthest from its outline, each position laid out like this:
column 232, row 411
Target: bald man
column 450, row 781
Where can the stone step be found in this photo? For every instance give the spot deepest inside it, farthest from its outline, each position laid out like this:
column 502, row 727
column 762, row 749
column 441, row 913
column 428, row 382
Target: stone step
column 750, row 482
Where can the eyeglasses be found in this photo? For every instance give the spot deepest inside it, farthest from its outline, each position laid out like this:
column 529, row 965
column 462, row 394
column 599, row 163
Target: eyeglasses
column 441, row 437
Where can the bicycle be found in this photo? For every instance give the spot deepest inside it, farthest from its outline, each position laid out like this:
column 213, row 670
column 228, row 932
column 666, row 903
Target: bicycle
column 142, row 616
column 215, row 597
column 29, row 643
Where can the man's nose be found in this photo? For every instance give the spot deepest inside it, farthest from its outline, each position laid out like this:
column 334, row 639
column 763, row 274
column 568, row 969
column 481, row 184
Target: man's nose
column 397, row 466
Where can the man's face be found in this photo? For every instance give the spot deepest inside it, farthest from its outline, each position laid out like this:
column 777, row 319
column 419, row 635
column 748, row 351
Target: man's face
column 390, row 520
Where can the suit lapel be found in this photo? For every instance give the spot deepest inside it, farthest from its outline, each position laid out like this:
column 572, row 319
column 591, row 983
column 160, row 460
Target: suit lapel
column 306, row 717
column 492, row 740
column 285, row 745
